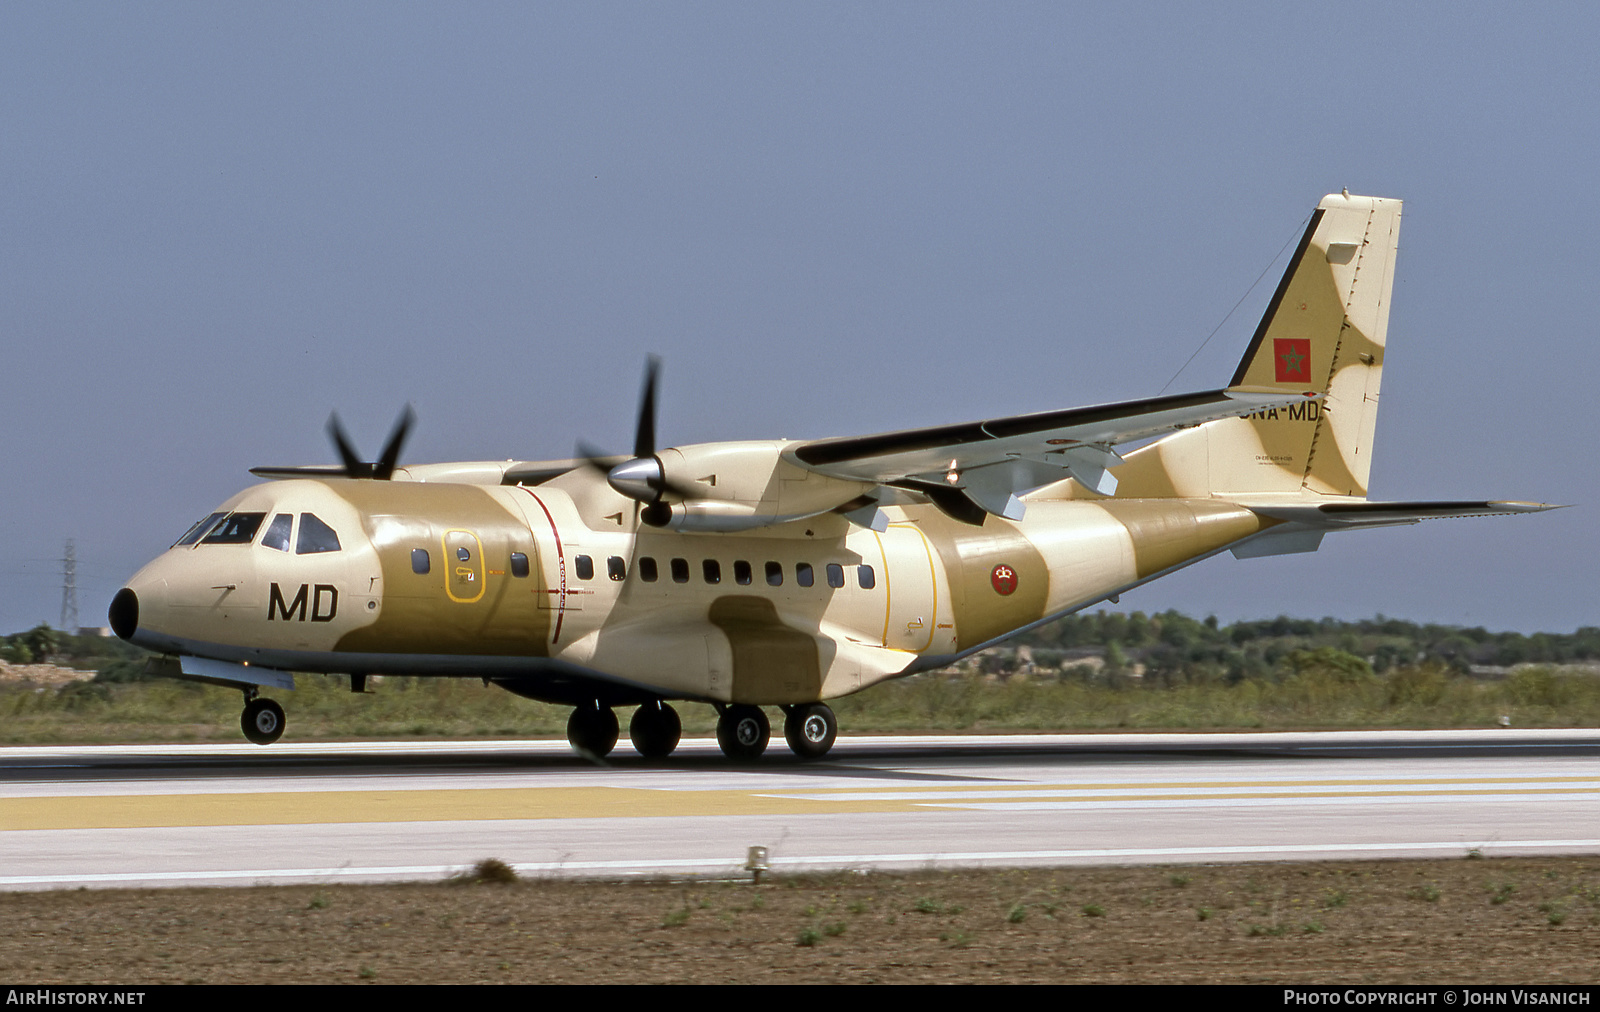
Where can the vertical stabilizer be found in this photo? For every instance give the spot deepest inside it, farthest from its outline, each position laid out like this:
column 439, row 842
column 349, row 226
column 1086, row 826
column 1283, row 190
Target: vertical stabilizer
column 1323, row 331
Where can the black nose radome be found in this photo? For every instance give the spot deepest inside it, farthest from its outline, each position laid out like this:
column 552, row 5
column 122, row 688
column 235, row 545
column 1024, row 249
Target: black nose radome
column 124, row 613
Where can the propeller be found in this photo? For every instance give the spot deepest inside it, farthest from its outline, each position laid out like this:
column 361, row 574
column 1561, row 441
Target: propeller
column 381, row 469
column 642, row 478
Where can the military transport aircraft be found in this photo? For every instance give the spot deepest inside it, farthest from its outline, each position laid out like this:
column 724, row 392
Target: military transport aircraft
column 785, row 573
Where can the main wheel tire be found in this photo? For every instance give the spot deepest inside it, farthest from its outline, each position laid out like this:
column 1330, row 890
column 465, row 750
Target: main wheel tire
column 655, row 730
column 810, row 730
column 262, row 721
column 592, row 730
column 743, row 732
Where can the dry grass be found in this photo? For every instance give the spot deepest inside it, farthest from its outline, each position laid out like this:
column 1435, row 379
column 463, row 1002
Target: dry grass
column 1460, row 921
column 322, row 708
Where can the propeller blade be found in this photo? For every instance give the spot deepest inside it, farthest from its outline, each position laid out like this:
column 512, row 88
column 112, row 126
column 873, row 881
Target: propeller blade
column 383, row 470
column 594, row 459
column 644, row 436
column 353, row 465
column 640, row 478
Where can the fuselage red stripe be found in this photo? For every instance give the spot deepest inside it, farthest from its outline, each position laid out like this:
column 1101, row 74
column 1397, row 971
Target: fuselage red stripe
column 561, row 566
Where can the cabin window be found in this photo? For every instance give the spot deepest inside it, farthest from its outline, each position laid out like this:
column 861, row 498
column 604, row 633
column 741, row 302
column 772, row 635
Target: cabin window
column 616, row 568
column 804, row 575
column 865, row 577
column 519, row 564
column 419, row 561
column 584, row 566
column 199, row 530
column 741, row 573
column 774, row 574
column 463, row 555
column 277, row 536
column 712, row 569
column 315, row 537
column 237, row 529
column 646, row 569
column 835, row 575
column 680, row 570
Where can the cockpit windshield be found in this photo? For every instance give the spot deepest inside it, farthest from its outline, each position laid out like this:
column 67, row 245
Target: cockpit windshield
column 278, row 532
column 237, row 529
column 315, row 537
column 199, row 530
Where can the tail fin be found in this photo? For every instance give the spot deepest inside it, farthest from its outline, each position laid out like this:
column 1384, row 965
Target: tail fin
column 1324, row 331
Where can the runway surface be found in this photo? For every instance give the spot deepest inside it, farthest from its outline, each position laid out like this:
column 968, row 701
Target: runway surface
column 241, row 815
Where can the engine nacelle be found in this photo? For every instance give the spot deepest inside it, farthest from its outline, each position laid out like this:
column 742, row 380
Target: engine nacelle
column 740, row 486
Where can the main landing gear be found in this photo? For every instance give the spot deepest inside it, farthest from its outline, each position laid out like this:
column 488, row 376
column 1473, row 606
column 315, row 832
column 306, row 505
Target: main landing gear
column 592, row 730
column 743, row 731
column 654, row 730
column 262, row 720
column 809, row 728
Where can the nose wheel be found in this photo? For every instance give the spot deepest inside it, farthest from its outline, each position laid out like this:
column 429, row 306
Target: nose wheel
column 262, row 721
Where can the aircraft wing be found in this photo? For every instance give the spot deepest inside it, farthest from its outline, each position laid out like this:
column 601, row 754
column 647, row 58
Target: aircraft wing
column 989, row 463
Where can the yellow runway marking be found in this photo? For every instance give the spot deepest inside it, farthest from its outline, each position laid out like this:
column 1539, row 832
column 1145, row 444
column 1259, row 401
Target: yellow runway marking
column 449, row 805
column 305, row 807
column 1203, row 784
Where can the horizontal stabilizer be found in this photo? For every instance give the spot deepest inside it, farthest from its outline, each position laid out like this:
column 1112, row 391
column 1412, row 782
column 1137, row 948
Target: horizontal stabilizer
column 1382, row 514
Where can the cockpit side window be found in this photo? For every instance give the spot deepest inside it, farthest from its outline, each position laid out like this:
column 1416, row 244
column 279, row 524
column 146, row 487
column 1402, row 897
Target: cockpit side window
column 315, row 536
column 236, row 529
column 199, row 530
column 277, row 535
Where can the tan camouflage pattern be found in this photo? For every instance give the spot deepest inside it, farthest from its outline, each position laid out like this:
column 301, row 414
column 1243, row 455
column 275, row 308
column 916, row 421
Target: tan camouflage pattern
column 1317, row 449
column 939, row 588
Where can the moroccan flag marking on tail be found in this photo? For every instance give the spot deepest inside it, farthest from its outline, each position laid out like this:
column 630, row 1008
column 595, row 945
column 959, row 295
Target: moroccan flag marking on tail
column 1291, row 359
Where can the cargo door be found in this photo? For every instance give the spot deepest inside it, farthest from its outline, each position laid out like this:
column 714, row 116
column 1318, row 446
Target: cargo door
column 912, row 591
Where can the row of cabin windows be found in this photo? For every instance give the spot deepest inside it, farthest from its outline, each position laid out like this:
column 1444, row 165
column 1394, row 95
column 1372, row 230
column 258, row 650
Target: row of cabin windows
column 647, row 571
column 743, row 573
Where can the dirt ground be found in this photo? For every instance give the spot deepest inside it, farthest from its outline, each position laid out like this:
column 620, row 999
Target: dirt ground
column 42, row 674
column 1457, row 921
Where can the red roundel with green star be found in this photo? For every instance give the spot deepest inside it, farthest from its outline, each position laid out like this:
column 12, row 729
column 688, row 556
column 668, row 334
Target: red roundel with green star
column 1003, row 580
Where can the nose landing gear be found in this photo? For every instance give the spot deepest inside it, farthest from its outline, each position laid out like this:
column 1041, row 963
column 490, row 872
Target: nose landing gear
column 262, row 721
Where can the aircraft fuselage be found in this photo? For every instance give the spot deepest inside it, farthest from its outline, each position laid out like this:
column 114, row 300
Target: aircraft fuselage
column 516, row 584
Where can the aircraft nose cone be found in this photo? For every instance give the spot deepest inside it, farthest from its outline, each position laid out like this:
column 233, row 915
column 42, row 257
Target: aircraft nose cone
column 124, row 613
column 637, row 479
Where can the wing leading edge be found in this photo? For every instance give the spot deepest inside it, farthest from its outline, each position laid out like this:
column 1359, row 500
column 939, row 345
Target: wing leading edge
column 990, row 463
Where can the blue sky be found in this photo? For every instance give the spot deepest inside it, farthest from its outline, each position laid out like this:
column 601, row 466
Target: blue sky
column 220, row 222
